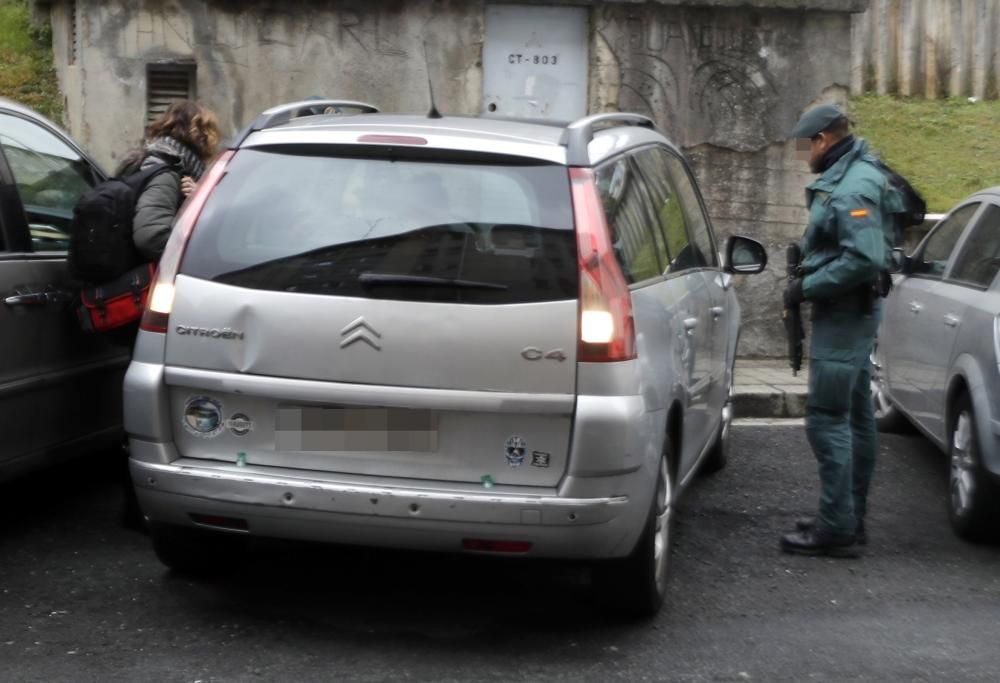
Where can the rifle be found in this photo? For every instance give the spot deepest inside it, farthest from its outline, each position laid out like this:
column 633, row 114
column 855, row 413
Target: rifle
column 792, row 316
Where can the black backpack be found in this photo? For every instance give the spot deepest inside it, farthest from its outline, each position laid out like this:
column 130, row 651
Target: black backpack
column 100, row 246
column 914, row 207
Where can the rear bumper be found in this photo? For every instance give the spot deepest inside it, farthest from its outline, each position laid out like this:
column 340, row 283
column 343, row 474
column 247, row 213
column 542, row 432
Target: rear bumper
column 287, row 505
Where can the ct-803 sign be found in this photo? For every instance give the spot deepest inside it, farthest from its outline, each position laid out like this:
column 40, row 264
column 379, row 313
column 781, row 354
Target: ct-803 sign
column 535, row 62
column 533, row 59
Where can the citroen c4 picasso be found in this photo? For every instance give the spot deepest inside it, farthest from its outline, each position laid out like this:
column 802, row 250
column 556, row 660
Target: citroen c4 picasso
column 452, row 334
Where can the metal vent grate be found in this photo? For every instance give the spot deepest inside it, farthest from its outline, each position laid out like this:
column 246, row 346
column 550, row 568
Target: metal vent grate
column 166, row 83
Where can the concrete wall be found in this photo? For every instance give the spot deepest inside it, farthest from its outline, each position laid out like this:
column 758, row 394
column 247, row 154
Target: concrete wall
column 728, row 85
column 725, row 78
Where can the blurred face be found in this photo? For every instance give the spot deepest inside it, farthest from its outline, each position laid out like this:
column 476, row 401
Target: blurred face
column 812, row 149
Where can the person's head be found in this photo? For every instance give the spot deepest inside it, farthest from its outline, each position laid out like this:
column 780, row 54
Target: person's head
column 817, row 131
column 190, row 123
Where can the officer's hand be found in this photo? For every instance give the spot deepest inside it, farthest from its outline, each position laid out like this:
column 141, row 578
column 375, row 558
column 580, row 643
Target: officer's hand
column 793, row 293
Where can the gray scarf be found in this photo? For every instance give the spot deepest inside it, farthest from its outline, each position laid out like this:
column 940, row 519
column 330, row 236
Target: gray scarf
column 190, row 163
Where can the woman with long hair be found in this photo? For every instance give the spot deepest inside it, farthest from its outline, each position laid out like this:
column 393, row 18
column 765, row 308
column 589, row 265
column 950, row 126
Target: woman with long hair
column 185, row 138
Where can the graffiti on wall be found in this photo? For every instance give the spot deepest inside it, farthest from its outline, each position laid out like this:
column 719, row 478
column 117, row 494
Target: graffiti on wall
column 136, row 33
column 259, row 55
column 701, row 80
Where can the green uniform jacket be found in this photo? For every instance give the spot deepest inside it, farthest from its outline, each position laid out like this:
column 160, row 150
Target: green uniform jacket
column 849, row 236
column 845, row 246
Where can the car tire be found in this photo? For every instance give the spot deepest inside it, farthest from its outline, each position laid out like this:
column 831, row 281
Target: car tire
column 972, row 506
column 194, row 551
column 635, row 586
column 888, row 418
column 718, row 456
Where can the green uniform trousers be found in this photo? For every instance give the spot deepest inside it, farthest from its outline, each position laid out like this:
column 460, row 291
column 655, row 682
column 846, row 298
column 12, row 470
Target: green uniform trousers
column 840, row 423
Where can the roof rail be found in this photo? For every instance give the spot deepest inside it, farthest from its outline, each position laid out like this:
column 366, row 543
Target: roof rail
column 283, row 113
column 578, row 134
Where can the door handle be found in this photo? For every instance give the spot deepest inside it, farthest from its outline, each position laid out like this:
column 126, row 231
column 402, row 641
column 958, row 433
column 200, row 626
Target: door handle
column 951, row 320
column 33, row 299
column 690, row 324
column 916, row 307
column 50, row 296
column 717, row 311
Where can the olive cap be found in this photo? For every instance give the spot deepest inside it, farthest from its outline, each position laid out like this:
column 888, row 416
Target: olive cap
column 817, row 119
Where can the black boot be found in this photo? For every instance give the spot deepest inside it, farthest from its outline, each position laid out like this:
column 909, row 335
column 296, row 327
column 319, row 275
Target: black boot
column 809, row 523
column 820, row 542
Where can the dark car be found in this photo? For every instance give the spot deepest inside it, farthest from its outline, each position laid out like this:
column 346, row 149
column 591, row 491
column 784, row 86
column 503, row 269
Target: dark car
column 60, row 390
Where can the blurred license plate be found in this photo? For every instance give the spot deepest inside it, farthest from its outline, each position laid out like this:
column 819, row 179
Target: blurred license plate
column 302, row 428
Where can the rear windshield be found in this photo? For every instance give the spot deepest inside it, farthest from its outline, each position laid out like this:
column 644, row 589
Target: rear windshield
column 389, row 229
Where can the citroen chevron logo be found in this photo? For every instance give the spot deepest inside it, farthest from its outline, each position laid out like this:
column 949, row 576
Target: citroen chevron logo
column 360, row 330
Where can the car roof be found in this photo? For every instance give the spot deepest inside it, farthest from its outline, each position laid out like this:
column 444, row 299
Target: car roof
column 989, row 191
column 544, row 140
column 29, row 113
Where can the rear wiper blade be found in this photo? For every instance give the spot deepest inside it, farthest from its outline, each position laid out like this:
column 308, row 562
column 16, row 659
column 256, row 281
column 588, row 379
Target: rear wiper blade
column 393, row 279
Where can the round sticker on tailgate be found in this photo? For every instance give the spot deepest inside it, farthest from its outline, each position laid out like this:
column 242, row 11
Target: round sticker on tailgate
column 203, row 416
column 239, row 424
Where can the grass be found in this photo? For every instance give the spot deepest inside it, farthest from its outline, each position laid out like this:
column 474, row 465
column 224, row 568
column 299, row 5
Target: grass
column 27, row 74
column 947, row 149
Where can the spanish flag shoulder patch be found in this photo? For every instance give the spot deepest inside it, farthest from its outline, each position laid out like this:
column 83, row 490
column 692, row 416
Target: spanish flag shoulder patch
column 859, row 213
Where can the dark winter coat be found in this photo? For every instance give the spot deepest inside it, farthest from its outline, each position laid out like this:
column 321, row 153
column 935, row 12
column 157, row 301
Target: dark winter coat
column 157, row 206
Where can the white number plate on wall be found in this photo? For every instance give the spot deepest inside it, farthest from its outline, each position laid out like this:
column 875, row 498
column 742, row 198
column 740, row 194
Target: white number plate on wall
column 535, row 62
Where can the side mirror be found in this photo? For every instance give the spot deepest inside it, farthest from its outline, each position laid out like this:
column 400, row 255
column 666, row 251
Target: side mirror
column 744, row 256
column 899, row 262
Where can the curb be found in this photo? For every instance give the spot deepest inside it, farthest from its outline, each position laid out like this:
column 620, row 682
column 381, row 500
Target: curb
column 767, row 388
column 771, row 404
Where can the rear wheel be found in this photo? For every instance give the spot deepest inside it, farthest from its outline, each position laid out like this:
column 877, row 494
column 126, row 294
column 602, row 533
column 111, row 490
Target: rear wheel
column 971, row 494
column 636, row 585
column 887, row 416
column 193, row 551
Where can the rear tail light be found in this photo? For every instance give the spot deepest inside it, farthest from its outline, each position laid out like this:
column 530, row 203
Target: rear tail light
column 393, row 139
column 607, row 330
column 161, row 299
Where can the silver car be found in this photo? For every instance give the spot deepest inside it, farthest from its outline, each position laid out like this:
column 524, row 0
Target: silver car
column 60, row 389
column 937, row 364
column 455, row 334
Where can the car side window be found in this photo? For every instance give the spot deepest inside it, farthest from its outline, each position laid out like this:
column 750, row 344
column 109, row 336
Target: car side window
column 697, row 222
column 669, row 210
column 50, row 177
column 625, row 206
column 936, row 252
column 978, row 262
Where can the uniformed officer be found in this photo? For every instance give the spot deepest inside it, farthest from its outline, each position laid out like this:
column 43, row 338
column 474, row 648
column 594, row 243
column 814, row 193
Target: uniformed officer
column 845, row 247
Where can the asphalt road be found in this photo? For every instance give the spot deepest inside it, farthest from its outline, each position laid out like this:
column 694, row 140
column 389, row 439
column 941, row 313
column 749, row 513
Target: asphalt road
column 83, row 599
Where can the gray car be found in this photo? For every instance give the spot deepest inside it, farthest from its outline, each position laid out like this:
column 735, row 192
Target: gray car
column 60, row 389
column 452, row 334
column 937, row 364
